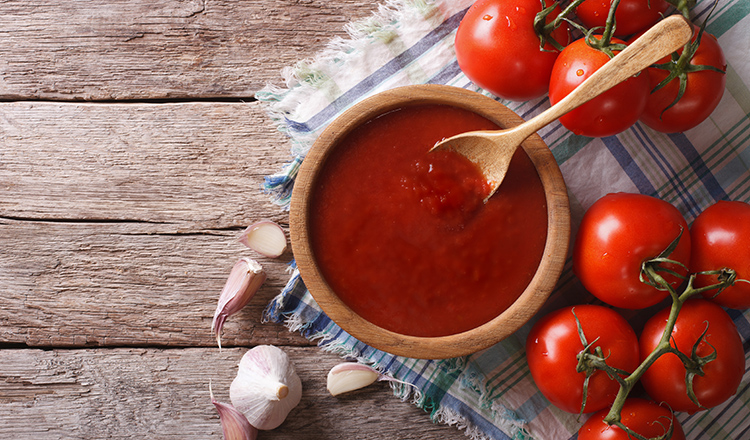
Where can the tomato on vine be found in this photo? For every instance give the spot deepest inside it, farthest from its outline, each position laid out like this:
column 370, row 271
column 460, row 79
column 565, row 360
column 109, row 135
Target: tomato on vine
column 709, row 343
column 616, row 235
column 553, row 351
column 498, row 48
column 686, row 87
column 720, row 238
column 609, row 113
column 631, row 16
column 644, row 417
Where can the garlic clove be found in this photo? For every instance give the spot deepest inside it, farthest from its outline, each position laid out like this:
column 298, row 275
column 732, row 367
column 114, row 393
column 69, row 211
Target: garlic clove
column 266, row 387
column 234, row 424
column 265, row 237
column 243, row 283
column 350, row 376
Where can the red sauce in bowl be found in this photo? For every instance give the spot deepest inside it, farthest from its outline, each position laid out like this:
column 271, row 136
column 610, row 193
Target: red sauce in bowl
column 402, row 236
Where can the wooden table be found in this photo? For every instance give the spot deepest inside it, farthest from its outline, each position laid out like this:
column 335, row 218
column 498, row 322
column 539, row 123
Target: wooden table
column 132, row 152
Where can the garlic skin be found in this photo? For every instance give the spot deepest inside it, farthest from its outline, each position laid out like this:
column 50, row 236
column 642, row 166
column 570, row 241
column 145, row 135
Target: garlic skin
column 350, row 376
column 265, row 237
column 243, row 283
column 266, row 387
column 234, row 424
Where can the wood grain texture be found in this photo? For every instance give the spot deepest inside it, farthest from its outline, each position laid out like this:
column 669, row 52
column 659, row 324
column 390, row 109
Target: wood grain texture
column 118, row 218
column 75, row 284
column 164, row 394
column 119, row 222
column 160, row 49
column 200, row 164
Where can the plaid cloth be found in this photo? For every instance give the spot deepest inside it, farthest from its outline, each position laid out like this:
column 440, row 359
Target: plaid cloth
column 490, row 394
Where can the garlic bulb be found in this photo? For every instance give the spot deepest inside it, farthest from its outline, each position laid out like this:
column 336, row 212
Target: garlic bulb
column 266, row 388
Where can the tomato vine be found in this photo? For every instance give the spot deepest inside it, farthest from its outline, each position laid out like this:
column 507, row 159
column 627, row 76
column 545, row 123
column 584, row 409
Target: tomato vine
column 680, row 66
column 591, row 359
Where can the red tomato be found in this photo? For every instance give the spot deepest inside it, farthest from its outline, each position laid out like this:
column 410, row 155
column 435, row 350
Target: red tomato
column 720, row 238
column 552, row 346
column 645, row 417
column 703, row 93
column 617, row 234
column 498, row 49
column 631, row 16
column 664, row 381
column 609, row 113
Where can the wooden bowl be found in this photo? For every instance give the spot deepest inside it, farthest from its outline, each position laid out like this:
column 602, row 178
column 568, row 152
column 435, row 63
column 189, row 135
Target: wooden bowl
column 467, row 342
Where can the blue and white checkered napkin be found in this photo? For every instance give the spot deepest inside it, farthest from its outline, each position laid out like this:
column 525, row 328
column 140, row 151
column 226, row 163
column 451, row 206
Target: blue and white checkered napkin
column 491, row 394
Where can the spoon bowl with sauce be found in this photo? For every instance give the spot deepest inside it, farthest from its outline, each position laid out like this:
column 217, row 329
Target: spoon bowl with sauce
column 492, row 150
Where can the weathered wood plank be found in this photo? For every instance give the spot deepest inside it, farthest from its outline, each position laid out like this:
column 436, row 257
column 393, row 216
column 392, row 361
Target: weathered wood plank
column 118, row 222
column 75, row 284
column 198, row 163
column 160, row 49
column 163, row 394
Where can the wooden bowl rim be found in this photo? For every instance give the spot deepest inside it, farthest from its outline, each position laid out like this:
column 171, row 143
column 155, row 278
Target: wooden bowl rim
column 455, row 345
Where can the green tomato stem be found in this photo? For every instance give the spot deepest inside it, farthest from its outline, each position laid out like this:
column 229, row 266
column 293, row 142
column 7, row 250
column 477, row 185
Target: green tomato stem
column 544, row 30
column 609, row 28
column 613, row 417
column 684, row 6
column 563, row 15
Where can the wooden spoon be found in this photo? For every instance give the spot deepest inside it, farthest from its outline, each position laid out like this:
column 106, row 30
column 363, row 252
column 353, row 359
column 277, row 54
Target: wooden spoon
column 492, row 150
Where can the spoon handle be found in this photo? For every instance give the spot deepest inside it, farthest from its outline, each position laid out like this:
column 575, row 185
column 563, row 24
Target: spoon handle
column 662, row 39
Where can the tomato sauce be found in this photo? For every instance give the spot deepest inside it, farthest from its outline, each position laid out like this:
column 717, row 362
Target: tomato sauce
column 402, row 236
